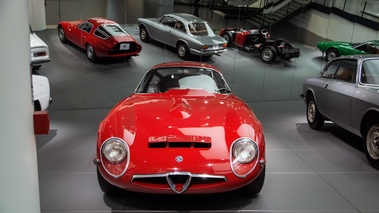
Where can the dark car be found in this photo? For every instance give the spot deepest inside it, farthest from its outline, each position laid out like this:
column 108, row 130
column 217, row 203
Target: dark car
column 347, row 92
column 258, row 41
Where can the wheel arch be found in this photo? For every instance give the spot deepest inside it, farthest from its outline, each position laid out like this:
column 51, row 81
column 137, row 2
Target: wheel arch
column 369, row 115
column 37, row 105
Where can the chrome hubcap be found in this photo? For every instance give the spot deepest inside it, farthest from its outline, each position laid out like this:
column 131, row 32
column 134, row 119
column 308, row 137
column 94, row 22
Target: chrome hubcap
column 311, row 111
column 90, row 52
column 143, row 34
column 372, row 142
column 181, row 51
column 267, row 55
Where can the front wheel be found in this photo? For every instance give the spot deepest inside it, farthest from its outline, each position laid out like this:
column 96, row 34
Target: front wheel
column 144, row 35
column 371, row 143
column 255, row 187
column 91, row 55
column 268, row 54
column 62, row 35
column 183, row 51
column 314, row 118
column 105, row 186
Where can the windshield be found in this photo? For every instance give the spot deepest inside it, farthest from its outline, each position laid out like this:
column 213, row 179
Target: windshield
column 370, row 72
column 113, row 30
column 162, row 80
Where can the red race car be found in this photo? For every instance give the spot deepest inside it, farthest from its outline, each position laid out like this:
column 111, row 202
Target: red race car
column 258, row 41
column 100, row 37
column 181, row 131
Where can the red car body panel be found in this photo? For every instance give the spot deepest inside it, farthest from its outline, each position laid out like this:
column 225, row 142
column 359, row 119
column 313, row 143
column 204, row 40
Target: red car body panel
column 102, row 47
column 181, row 115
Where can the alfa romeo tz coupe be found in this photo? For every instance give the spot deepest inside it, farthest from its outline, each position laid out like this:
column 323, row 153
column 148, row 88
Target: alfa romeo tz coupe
column 99, row 37
column 181, row 132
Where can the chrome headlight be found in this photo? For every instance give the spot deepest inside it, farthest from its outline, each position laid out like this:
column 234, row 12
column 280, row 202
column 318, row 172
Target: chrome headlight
column 114, row 150
column 244, row 150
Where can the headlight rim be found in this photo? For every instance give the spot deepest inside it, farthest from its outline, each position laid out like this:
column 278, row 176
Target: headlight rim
column 255, row 158
column 126, row 158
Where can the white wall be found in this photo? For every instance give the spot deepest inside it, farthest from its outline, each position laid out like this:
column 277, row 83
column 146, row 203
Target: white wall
column 37, row 16
column 333, row 27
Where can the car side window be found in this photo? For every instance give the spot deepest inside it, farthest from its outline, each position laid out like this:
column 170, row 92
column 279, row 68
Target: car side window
column 180, row 26
column 330, row 70
column 167, row 20
column 86, row 26
column 347, row 71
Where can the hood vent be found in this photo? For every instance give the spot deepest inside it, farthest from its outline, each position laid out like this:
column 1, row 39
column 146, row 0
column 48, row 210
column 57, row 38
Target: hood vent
column 184, row 141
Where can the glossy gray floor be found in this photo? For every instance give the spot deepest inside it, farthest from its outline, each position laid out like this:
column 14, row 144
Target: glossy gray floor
column 307, row 171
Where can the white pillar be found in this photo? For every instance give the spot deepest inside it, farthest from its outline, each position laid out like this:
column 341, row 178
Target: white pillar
column 37, row 14
column 19, row 189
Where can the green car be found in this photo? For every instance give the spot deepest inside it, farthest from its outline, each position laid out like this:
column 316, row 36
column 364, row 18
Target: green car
column 333, row 49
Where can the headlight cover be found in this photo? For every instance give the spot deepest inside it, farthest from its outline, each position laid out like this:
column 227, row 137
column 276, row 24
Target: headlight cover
column 243, row 156
column 115, row 155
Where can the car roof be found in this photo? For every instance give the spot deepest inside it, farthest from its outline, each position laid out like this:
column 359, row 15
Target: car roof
column 185, row 17
column 100, row 21
column 358, row 57
column 185, row 64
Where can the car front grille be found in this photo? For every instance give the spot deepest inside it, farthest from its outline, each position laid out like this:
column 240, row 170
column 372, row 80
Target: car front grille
column 178, row 182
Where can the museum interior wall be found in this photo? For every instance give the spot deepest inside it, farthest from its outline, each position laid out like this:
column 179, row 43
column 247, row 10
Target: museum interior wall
column 330, row 20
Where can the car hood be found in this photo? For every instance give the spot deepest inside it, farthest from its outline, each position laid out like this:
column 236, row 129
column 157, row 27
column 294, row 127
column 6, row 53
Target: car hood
column 35, row 41
column 177, row 115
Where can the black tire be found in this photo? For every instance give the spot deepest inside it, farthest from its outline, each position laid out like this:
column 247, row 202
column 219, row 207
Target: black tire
column 371, row 142
column 90, row 52
column 229, row 38
column 183, row 51
column 105, row 186
column 255, row 187
column 268, row 54
column 143, row 34
column 62, row 35
column 314, row 118
column 330, row 54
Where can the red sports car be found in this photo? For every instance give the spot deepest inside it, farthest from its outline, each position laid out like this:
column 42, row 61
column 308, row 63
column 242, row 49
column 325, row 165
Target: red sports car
column 181, row 131
column 100, row 37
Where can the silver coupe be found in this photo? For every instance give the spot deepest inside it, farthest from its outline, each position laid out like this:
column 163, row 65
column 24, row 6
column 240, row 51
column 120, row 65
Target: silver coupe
column 189, row 34
column 346, row 92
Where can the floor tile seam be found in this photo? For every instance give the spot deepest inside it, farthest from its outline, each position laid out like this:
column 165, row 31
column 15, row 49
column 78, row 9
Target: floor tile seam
column 85, row 138
column 83, row 173
column 59, row 161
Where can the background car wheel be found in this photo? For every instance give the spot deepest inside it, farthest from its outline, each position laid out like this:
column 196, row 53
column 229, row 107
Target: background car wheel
column 228, row 37
column 268, row 54
column 183, row 51
column 62, row 35
column 105, row 186
column 314, row 118
column 143, row 34
column 255, row 187
column 91, row 55
column 330, row 54
column 371, row 142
